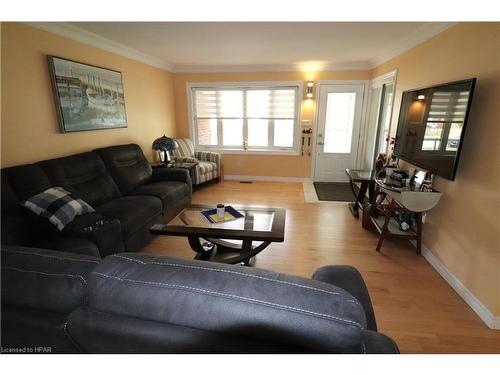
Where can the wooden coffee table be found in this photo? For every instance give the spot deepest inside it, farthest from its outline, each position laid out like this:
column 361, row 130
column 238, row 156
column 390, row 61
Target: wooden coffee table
column 234, row 242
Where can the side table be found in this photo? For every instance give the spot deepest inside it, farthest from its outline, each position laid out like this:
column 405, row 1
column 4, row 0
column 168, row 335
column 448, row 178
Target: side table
column 367, row 180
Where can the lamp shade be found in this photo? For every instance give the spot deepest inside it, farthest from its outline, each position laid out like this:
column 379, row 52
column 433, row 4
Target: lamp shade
column 164, row 144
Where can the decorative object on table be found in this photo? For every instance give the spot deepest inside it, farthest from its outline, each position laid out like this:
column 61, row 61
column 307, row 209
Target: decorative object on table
column 380, row 162
column 208, row 164
column 163, row 146
column 87, row 97
column 229, row 214
column 220, row 211
column 306, row 138
column 405, row 220
column 428, row 182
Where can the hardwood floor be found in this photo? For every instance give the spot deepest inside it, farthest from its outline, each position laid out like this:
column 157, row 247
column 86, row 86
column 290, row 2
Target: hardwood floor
column 412, row 303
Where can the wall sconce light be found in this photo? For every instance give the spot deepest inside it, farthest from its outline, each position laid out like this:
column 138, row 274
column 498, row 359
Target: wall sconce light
column 309, row 90
column 421, row 97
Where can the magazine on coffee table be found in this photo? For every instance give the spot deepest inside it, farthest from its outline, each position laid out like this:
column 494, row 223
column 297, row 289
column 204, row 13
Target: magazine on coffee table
column 229, row 214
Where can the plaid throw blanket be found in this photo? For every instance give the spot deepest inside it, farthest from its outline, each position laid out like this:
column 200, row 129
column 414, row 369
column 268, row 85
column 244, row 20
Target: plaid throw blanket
column 57, row 205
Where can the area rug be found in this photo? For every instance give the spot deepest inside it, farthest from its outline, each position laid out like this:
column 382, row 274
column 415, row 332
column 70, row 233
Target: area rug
column 334, row 191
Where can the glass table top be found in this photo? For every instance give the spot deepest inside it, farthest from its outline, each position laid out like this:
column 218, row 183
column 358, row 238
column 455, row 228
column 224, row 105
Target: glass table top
column 258, row 219
column 361, row 174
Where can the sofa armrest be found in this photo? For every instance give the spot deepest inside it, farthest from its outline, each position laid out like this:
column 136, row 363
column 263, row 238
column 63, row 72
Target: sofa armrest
column 349, row 279
column 377, row 343
column 171, row 174
column 185, row 159
column 105, row 233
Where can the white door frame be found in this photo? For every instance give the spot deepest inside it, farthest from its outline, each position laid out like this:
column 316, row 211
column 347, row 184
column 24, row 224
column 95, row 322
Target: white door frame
column 384, row 79
column 362, row 130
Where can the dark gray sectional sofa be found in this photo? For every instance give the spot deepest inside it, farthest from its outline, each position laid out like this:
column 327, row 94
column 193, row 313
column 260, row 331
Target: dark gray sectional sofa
column 142, row 303
column 118, row 182
column 90, row 293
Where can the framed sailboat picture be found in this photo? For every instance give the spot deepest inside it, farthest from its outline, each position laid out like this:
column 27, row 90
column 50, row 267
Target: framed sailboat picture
column 87, row 97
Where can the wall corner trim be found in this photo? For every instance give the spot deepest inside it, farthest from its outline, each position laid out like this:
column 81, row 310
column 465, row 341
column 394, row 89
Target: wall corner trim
column 482, row 311
column 83, row 36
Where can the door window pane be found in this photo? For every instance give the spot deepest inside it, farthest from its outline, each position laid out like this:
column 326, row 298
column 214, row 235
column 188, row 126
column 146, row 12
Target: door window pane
column 454, row 136
column 385, row 118
column 283, row 133
column 257, row 132
column 207, row 132
column 339, row 122
column 432, row 136
column 232, row 132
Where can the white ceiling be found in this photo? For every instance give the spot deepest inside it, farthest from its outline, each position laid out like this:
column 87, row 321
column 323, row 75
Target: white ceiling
column 202, row 46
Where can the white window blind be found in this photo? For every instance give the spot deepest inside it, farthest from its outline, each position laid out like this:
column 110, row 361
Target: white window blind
column 260, row 118
column 445, row 121
column 448, row 106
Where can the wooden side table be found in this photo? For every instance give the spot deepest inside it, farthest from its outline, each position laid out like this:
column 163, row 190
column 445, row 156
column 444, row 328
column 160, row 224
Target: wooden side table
column 366, row 178
column 407, row 200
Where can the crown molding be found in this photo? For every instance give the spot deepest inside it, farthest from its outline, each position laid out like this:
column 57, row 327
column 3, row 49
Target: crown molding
column 418, row 36
column 80, row 35
column 75, row 33
column 269, row 68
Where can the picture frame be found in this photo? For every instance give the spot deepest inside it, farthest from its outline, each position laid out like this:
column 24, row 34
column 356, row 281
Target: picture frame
column 87, row 97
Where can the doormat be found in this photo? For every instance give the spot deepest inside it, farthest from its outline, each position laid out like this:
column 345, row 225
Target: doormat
column 335, row 191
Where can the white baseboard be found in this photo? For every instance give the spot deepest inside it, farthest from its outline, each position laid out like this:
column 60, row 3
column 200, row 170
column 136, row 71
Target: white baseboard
column 265, row 178
column 482, row 311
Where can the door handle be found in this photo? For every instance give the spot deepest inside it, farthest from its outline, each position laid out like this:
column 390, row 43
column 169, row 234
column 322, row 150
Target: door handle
column 321, row 143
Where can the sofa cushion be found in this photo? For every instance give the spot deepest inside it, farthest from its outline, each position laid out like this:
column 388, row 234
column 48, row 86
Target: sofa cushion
column 171, row 193
column 204, row 167
column 127, row 165
column 227, row 299
column 185, row 148
column 84, row 175
column 133, row 212
column 26, row 180
column 57, row 205
column 44, row 279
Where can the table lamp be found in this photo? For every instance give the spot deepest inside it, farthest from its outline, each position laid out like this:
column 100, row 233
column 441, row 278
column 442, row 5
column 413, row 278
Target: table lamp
column 164, row 145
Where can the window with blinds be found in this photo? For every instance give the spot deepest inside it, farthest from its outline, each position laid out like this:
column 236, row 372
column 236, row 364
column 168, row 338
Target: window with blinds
column 445, row 121
column 246, row 118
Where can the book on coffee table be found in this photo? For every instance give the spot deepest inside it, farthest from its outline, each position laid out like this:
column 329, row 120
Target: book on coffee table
column 229, row 214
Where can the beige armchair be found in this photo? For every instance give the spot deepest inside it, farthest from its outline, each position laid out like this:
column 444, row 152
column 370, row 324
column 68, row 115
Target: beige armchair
column 209, row 163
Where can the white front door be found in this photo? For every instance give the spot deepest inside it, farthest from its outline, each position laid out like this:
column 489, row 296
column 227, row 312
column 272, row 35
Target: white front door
column 339, row 124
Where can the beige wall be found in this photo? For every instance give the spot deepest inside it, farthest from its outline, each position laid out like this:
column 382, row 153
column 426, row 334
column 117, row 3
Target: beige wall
column 29, row 128
column 463, row 230
column 258, row 165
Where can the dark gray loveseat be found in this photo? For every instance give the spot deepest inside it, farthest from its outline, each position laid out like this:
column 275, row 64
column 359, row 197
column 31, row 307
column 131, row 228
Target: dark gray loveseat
column 142, row 303
column 118, row 182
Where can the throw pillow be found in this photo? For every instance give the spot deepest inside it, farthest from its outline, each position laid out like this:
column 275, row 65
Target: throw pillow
column 57, row 205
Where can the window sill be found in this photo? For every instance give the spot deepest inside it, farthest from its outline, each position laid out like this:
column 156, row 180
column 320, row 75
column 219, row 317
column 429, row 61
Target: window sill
column 251, row 152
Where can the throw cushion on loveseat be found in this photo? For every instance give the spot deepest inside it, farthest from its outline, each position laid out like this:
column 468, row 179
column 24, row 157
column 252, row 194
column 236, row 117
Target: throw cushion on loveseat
column 57, row 205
